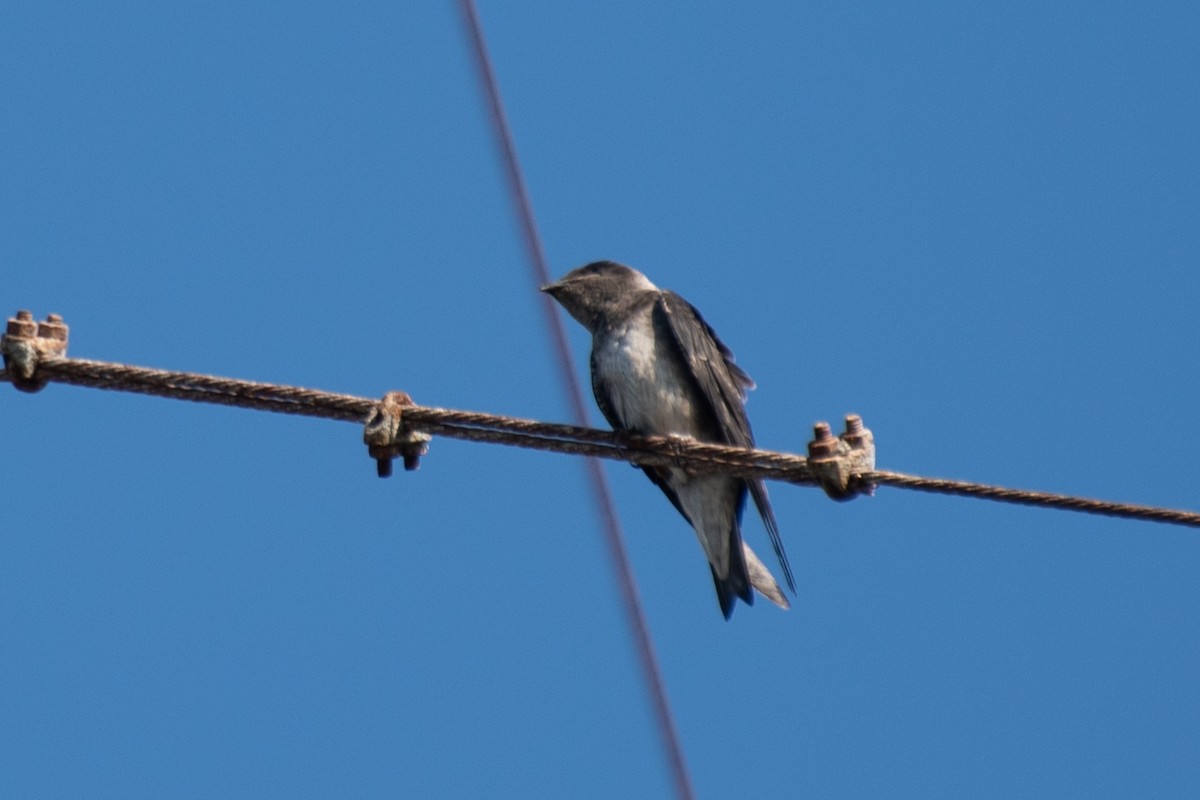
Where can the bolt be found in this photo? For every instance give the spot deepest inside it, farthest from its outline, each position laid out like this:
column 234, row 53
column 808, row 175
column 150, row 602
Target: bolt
column 383, row 455
column 53, row 328
column 856, row 435
column 823, row 444
column 22, row 326
column 21, row 350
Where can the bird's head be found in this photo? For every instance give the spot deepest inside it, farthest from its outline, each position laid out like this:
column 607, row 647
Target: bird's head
column 598, row 292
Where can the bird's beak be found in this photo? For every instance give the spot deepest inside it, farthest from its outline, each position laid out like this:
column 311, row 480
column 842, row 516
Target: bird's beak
column 551, row 288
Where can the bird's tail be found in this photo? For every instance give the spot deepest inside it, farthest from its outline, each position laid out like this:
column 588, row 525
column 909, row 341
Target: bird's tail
column 734, row 586
column 762, row 579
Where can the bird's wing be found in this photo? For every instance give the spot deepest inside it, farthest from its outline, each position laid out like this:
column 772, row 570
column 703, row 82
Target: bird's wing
column 723, row 385
column 600, row 390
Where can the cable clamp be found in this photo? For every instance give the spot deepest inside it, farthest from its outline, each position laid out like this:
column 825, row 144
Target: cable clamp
column 836, row 463
column 26, row 343
column 386, row 437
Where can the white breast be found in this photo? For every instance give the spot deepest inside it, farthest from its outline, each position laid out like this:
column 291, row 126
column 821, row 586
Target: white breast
column 648, row 391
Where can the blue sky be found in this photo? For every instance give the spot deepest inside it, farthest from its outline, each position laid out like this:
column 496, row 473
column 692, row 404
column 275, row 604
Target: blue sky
column 975, row 224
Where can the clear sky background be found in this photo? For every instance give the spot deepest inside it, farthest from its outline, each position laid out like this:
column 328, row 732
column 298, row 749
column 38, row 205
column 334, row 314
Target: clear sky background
column 975, row 224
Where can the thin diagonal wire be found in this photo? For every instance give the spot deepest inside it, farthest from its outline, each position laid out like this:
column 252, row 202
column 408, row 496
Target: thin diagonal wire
column 601, row 492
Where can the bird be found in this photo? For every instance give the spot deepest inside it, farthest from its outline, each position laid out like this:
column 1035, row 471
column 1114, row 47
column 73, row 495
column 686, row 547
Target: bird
column 658, row 369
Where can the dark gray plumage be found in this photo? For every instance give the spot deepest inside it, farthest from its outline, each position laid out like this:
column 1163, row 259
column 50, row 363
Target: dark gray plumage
column 659, row 369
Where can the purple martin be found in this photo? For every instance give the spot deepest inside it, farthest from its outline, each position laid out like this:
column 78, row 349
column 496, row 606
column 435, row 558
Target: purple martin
column 658, row 369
